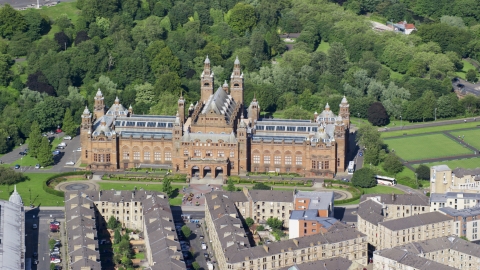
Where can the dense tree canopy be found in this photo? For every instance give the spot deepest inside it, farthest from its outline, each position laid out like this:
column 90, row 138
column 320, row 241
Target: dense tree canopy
column 147, row 53
column 365, row 178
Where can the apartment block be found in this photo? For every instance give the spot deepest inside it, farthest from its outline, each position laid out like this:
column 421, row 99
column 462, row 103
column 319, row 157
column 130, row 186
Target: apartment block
column 455, row 200
column 383, row 233
column 329, row 264
column 465, row 222
column 304, row 223
column 397, row 258
column 400, row 205
column 234, row 248
column 447, row 250
column 81, row 229
column 87, row 212
column 265, row 204
column 443, row 179
column 322, row 202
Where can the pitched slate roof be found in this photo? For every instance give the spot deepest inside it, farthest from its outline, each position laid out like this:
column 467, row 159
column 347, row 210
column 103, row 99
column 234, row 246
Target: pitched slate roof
column 404, row 257
column 220, row 103
column 443, row 243
column 415, row 221
column 399, row 199
column 371, row 211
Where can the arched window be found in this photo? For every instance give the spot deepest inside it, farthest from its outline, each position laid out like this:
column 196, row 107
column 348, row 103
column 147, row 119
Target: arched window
column 256, row 157
column 157, row 154
column 136, row 153
column 298, row 158
column 266, row 157
column 277, row 159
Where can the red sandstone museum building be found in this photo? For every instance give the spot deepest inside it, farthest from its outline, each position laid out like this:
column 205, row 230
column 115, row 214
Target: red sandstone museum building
column 216, row 137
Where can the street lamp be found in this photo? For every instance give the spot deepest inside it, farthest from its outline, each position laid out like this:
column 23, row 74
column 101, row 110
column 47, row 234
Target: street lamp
column 435, row 114
column 401, row 121
column 416, row 179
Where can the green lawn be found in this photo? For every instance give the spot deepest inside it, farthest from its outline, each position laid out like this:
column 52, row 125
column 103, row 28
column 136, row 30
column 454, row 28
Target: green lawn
column 68, row 8
column 466, row 67
column 472, row 137
column 39, row 196
column 376, row 190
column 323, row 47
column 467, row 163
column 154, row 187
column 426, row 146
column 429, row 129
column 139, row 255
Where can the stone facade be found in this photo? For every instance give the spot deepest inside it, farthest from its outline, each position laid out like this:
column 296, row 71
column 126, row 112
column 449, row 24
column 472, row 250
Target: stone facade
column 217, row 137
column 386, row 232
column 454, row 200
column 448, row 250
column 234, row 248
column 465, row 222
column 396, row 258
column 443, row 180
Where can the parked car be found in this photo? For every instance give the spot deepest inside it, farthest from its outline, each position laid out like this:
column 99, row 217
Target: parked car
column 55, row 260
column 70, row 163
column 62, row 144
column 67, row 137
column 206, row 255
column 55, row 249
column 460, row 85
column 56, row 152
column 34, row 226
column 55, row 223
column 204, row 246
column 35, row 261
column 22, row 153
column 360, row 154
column 37, row 166
column 201, row 236
column 35, row 254
column 55, row 253
column 79, row 149
column 17, row 166
column 57, row 267
column 60, row 147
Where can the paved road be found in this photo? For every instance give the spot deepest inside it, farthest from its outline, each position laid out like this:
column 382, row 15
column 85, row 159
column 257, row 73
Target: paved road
column 470, row 88
column 432, row 124
column 29, row 3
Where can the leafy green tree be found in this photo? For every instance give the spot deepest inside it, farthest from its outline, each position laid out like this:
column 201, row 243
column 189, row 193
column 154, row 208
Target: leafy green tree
column 274, row 223
column 179, row 14
column 69, row 126
column 337, row 59
column 11, row 21
column 196, row 265
column 471, row 75
column 45, row 155
column 186, row 231
column 231, row 185
column 241, row 17
column 117, row 237
column 37, row 24
column 34, row 139
column 423, row 172
column 112, row 223
column 144, row 93
column 167, row 186
column 364, row 177
column 6, row 62
column 368, row 137
column 448, row 106
column 261, row 186
column 394, row 99
column 377, row 115
column 297, row 112
column 260, row 228
column 249, row 221
column 392, row 164
column 429, row 104
column 9, row 176
column 52, row 266
column 49, row 113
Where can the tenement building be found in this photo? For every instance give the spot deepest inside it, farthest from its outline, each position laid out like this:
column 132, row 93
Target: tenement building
column 218, row 136
column 12, row 233
column 455, row 200
column 88, row 211
column 397, row 258
column 447, row 250
column 443, row 179
column 465, row 222
column 400, row 205
column 386, row 233
column 234, row 248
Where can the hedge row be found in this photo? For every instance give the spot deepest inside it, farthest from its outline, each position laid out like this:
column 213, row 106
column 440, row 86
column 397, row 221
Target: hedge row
column 49, row 190
column 356, row 192
column 238, row 180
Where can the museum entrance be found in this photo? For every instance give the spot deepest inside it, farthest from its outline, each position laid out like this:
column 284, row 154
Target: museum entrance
column 207, row 172
column 218, row 172
column 195, row 171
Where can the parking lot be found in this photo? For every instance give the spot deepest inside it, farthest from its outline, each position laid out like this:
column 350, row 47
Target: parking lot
column 36, row 240
column 193, row 245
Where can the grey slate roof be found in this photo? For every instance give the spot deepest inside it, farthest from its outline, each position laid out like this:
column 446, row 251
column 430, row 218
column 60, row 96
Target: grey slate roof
column 442, row 243
column 162, row 236
column 442, row 197
column 12, row 235
column 318, row 200
column 312, row 215
column 115, row 196
column 441, row 168
column 370, row 211
column 220, row 103
column 461, row 172
column 271, row 195
column 468, row 212
column 411, row 259
column 336, row 263
column 399, row 199
column 214, row 137
column 415, row 221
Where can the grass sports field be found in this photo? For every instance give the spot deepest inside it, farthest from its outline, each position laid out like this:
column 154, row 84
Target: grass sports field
column 429, row 129
column 467, row 163
column 425, row 147
column 472, row 137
